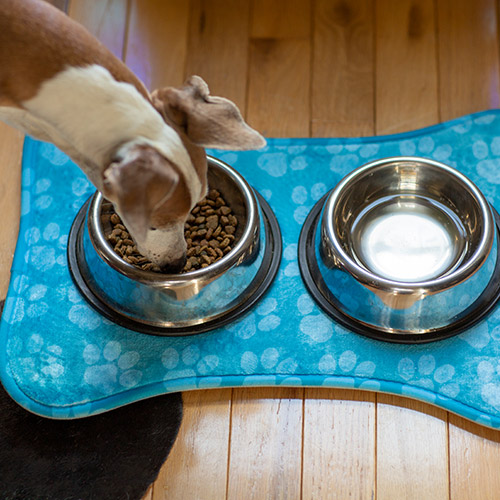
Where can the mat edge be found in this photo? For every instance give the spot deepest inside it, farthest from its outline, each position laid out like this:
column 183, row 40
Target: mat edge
column 69, row 411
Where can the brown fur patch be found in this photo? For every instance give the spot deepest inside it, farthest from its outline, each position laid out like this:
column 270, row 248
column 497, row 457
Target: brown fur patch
column 37, row 41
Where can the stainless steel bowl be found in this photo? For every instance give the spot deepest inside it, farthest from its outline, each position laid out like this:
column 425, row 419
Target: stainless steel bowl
column 179, row 304
column 407, row 248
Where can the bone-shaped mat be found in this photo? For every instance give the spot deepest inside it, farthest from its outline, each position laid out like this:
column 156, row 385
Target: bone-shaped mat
column 59, row 358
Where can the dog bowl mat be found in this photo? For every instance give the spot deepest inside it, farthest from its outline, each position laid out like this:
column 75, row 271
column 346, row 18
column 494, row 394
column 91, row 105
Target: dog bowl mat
column 61, row 359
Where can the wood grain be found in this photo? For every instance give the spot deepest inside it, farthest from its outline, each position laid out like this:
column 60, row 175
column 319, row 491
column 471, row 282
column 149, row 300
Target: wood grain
column 106, row 20
column 469, row 60
column 149, row 494
column 266, row 424
column 197, row 465
column 339, row 445
column 407, row 77
column 339, row 426
column 266, row 444
column 11, row 142
column 407, row 98
column 198, row 462
column 266, row 436
column 279, row 87
column 218, row 46
column 474, row 461
column 468, row 56
column 284, row 19
column 157, row 41
column 279, row 69
column 343, row 68
column 326, row 68
column 412, row 452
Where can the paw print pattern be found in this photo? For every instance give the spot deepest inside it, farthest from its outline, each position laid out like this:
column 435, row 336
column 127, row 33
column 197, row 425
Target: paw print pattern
column 44, row 245
column 488, row 372
column 276, row 164
column 40, row 361
column 488, row 156
column 347, row 157
column 424, row 373
column 110, row 368
column 188, row 362
column 86, row 319
column 39, row 197
column 484, row 154
column 347, row 363
column 478, row 338
column 257, row 348
column 268, row 361
column 262, row 320
column 314, row 326
column 290, row 258
column 426, row 146
column 304, row 199
column 31, row 301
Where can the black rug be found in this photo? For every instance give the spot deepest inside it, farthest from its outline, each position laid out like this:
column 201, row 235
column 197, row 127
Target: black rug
column 112, row 456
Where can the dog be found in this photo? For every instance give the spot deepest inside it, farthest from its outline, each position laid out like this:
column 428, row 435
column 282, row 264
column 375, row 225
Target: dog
column 143, row 151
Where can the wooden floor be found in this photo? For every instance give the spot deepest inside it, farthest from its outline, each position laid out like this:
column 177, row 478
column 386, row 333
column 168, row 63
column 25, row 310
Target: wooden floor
column 309, row 68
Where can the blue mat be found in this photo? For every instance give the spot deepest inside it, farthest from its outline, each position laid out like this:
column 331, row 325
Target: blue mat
column 60, row 359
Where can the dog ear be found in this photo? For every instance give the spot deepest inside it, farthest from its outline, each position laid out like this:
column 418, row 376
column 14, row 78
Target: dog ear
column 208, row 121
column 138, row 184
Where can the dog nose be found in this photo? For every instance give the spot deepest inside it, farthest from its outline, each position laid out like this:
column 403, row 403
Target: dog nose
column 175, row 266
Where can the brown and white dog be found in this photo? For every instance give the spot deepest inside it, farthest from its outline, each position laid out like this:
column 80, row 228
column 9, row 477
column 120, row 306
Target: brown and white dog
column 143, row 151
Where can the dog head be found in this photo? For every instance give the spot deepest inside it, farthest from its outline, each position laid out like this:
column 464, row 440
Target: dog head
column 151, row 193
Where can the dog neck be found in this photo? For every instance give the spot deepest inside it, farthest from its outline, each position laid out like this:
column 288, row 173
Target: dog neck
column 105, row 115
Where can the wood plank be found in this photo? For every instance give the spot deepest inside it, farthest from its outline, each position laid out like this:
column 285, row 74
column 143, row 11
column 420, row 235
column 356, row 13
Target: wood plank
column 157, row 41
column 11, row 142
column 468, row 56
column 149, row 494
column 286, row 19
column 197, row 464
column 339, row 426
column 279, row 89
column 339, row 445
column 412, row 459
column 266, row 444
column 218, row 47
column 266, row 424
column 106, row 20
column 474, row 460
column 279, row 73
column 412, row 451
column 407, row 78
column 343, row 68
column 469, row 66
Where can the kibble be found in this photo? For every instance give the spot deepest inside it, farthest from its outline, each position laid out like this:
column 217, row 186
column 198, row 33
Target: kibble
column 209, row 233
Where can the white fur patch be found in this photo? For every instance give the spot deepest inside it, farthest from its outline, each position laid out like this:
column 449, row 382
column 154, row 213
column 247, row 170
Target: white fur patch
column 164, row 245
column 88, row 114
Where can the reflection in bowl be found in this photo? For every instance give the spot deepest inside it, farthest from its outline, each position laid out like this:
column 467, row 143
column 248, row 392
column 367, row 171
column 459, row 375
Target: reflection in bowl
column 180, row 304
column 406, row 249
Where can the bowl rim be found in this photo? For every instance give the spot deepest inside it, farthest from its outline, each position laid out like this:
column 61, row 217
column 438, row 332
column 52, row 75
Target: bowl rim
column 372, row 280
column 213, row 271
column 314, row 282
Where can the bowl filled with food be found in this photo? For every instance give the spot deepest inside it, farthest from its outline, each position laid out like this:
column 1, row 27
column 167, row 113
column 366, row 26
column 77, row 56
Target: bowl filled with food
column 403, row 249
column 234, row 248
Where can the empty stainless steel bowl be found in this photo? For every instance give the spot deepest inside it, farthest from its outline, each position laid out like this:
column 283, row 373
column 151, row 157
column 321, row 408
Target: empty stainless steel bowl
column 406, row 250
column 179, row 304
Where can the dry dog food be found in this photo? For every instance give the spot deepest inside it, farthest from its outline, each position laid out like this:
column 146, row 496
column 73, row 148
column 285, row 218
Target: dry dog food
column 209, row 232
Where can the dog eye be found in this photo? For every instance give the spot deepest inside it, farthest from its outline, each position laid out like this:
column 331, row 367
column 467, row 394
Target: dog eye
column 152, row 228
